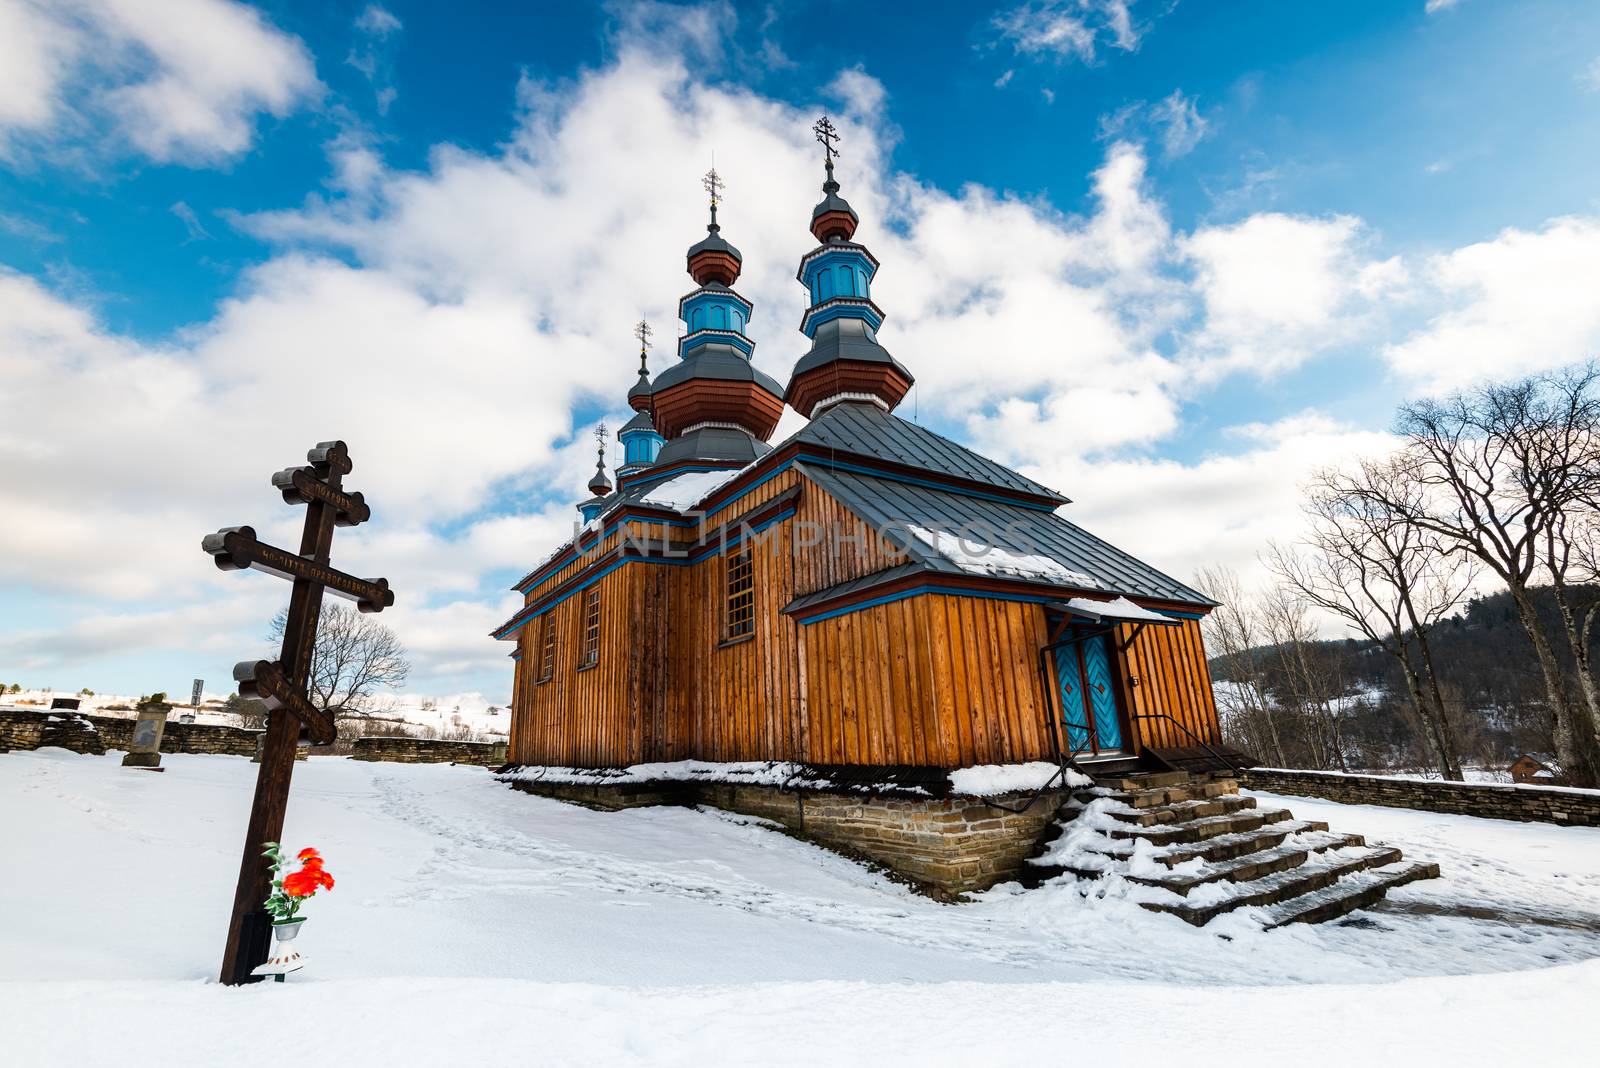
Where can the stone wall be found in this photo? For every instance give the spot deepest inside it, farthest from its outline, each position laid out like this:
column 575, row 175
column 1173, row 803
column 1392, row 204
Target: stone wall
column 1542, row 804
column 947, row 846
column 429, row 751
column 24, row 729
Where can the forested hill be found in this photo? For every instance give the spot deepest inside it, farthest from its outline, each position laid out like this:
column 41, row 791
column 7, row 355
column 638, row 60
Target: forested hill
column 1351, row 689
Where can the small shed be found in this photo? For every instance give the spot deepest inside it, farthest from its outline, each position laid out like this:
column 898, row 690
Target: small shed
column 1535, row 772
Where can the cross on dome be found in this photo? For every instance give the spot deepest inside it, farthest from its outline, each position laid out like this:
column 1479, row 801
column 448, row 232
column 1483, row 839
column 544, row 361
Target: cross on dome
column 714, row 185
column 826, row 134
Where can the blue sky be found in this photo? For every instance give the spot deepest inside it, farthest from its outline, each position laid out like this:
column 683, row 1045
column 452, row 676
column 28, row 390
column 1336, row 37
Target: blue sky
column 1166, row 256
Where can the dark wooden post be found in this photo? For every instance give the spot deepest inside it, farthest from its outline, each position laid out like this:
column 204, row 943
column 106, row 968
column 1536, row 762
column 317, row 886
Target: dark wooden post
column 282, row 686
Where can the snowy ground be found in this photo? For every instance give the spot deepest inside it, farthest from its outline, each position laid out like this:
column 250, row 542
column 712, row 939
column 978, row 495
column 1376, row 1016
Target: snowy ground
column 472, row 923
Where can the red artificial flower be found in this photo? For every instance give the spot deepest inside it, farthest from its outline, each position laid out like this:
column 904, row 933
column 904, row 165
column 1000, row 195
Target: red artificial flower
column 300, row 884
column 308, row 854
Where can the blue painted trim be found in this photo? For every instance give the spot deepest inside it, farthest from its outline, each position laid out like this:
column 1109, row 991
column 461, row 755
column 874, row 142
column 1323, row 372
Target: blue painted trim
column 928, row 587
column 840, row 308
column 517, row 622
column 824, row 464
column 690, row 342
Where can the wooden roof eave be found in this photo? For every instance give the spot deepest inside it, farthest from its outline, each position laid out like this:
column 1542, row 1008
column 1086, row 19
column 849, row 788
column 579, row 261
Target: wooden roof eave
column 906, row 580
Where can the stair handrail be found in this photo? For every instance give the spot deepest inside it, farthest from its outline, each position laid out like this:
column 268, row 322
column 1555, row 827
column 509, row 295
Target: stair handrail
column 1235, row 765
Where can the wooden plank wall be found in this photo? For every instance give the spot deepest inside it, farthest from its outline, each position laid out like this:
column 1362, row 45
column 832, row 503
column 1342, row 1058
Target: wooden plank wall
column 738, row 699
column 1169, row 664
column 580, row 718
column 931, row 680
column 934, row 679
column 849, row 548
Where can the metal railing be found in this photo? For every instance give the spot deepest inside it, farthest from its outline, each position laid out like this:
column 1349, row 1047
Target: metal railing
column 1201, row 742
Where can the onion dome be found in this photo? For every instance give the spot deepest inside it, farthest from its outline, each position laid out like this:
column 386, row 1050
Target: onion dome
column 640, row 442
column 599, row 485
column 713, row 405
column 833, row 219
column 845, row 362
column 639, row 395
column 712, row 259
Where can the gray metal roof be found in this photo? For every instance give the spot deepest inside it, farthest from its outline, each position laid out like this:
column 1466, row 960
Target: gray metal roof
column 868, row 430
column 998, row 535
column 846, row 339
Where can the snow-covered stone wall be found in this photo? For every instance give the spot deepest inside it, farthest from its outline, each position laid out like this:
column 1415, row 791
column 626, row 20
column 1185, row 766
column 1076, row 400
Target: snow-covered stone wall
column 429, row 751
column 1503, row 801
column 946, row 845
column 25, row 729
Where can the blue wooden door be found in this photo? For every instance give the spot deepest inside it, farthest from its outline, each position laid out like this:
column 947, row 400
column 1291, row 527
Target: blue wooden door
column 1101, row 691
column 1069, row 677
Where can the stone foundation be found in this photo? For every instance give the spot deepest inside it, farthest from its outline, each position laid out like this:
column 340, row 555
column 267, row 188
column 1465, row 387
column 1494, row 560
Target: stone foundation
column 946, row 846
column 1540, row 804
column 429, row 751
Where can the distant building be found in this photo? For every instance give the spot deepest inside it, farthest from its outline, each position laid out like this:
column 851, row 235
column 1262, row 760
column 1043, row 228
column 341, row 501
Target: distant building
column 1531, row 770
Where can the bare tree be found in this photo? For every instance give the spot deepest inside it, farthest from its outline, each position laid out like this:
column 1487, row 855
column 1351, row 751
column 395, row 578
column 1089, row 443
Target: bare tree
column 1389, row 579
column 1490, row 472
column 1233, row 631
column 1308, row 684
column 355, row 658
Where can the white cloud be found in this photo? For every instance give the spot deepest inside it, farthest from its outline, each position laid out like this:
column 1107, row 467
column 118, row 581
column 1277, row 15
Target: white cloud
column 191, row 222
column 1433, row 7
column 377, row 21
column 1175, row 121
column 1279, row 288
column 1069, row 29
column 1590, row 77
column 1522, row 302
column 34, row 52
column 1230, row 503
column 1182, row 125
column 373, row 52
column 179, row 80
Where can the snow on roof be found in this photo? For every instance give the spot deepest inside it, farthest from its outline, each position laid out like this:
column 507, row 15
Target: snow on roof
column 983, row 559
column 1120, row 608
column 686, row 491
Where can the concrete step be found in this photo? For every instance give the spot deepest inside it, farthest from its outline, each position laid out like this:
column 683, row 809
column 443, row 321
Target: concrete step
column 1357, row 891
column 1183, row 811
column 1282, row 886
column 1199, row 830
column 1153, row 780
column 1291, row 854
column 1224, row 847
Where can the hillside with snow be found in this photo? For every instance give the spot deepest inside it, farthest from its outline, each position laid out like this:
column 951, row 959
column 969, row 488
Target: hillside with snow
column 474, row 924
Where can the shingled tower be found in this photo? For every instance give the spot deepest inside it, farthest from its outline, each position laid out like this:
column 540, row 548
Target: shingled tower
column 713, row 407
column 845, row 363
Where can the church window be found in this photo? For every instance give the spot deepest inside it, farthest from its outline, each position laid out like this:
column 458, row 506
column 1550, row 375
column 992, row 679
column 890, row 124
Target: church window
column 591, row 629
column 547, row 657
column 741, row 594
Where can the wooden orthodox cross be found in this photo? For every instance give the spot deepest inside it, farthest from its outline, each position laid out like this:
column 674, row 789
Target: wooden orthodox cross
column 281, row 684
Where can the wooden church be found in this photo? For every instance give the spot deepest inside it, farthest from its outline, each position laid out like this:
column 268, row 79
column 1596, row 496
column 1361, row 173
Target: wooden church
column 866, row 593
